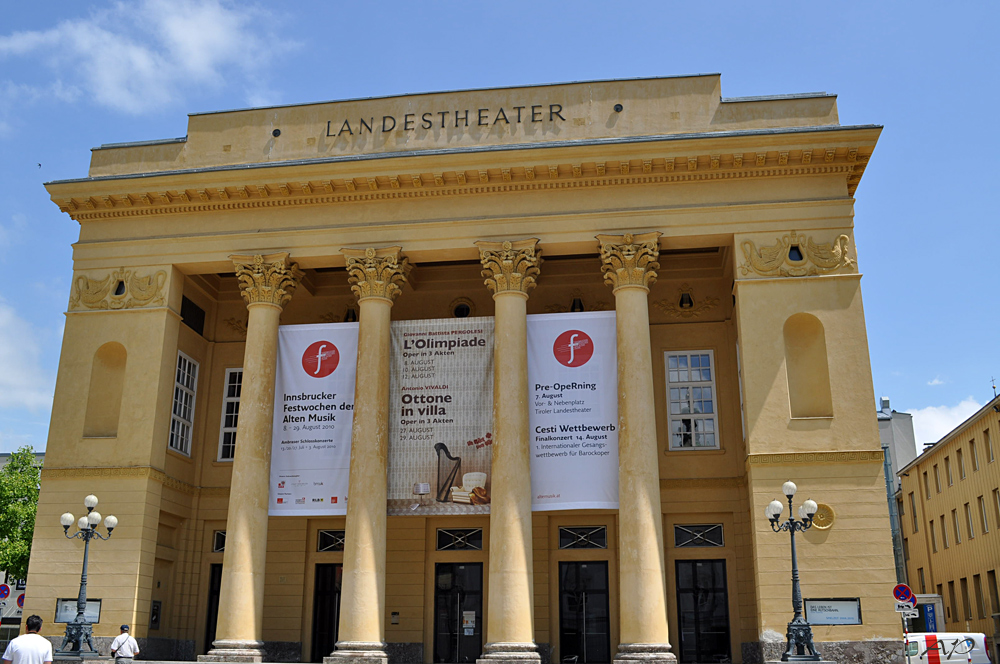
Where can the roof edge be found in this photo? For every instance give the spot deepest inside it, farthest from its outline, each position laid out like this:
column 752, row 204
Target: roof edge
column 947, row 438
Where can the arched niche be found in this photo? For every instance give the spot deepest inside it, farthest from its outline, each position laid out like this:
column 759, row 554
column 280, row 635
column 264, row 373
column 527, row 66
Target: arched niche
column 807, row 367
column 104, row 400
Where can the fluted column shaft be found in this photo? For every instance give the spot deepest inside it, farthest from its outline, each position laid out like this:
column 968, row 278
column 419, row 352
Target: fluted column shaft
column 510, row 270
column 629, row 266
column 267, row 283
column 376, row 278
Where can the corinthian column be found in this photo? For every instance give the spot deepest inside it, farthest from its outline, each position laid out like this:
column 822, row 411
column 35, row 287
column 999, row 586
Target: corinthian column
column 629, row 267
column 267, row 283
column 376, row 277
column 510, row 270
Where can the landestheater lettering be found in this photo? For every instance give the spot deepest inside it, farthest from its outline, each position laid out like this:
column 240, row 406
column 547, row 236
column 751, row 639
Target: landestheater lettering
column 403, row 380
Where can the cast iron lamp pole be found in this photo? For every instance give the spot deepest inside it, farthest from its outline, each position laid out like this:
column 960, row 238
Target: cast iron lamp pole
column 80, row 629
column 799, row 636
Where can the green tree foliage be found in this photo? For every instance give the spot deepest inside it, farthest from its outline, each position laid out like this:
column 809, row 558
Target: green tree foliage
column 19, row 481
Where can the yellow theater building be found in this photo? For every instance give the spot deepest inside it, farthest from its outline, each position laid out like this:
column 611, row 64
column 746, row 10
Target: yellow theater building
column 719, row 232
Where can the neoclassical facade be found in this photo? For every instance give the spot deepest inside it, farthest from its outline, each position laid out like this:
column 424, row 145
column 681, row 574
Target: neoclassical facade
column 719, row 231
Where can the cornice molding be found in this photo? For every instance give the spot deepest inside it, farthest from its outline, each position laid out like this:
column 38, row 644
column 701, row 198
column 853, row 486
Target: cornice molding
column 254, row 194
column 856, row 456
column 132, row 472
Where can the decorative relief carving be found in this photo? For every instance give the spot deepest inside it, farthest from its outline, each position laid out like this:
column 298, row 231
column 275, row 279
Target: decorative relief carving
column 797, row 256
column 122, row 289
column 737, row 161
column 692, row 163
column 510, row 266
column 686, row 307
column 578, row 294
column 266, row 279
column 630, row 261
column 377, row 273
column 824, row 517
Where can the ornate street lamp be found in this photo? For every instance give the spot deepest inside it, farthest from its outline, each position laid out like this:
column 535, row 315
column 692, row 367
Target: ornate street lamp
column 80, row 629
column 799, row 636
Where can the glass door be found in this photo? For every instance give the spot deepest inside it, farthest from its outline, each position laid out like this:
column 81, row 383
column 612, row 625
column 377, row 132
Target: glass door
column 703, row 611
column 584, row 624
column 458, row 612
column 326, row 609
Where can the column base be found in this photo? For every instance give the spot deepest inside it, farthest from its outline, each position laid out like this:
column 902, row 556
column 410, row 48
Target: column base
column 509, row 653
column 629, row 653
column 226, row 650
column 358, row 652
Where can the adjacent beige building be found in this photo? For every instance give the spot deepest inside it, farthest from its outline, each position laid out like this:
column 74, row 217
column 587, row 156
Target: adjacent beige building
column 719, row 230
column 950, row 519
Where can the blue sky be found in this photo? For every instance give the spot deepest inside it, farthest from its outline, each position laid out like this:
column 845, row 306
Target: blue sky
column 75, row 75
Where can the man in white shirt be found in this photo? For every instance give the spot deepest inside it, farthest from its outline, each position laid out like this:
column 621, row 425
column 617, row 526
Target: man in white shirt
column 29, row 648
column 124, row 646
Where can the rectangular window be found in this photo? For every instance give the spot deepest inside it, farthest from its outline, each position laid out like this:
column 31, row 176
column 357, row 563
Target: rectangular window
column 906, row 549
column 913, row 512
column 960, row 458
column 459, row 539
column 991, row 584
column 947, row 471
column 977, row 587
column 899, row 506
column 933, row 537
column 704, row 535
column 691, row 386
column 230, row 414
column 953, row 609
column 920, row 578
column 219, row 541
column 587, row 537
column 182, row 414
column 954, row 523
column 944, row 532
column 974, row 453
column 330, row 540
column 989, row 446
column 970, row 526
column 927, row 486
column 937, row 478
column 966, row 604
column 996, row 507
column 982, row 514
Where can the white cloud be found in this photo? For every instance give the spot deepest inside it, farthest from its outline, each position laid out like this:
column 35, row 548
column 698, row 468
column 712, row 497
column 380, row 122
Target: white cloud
column 136, row 57
column 937, row 381
column 930, row 424
column 23, row 382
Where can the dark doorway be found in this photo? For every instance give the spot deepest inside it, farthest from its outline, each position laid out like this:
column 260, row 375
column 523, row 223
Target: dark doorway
column 458, row 612
column 326, row 610
column 703, row 611
column 214, row 586
column 584, row 620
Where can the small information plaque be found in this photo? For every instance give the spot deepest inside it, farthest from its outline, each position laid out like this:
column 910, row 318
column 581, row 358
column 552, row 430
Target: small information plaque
column 833, row 611
column 66, row 610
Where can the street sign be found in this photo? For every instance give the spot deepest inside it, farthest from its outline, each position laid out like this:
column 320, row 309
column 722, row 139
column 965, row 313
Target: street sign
column 902, row 607
column 4, row 591
column 902, row 593
column 911, row 614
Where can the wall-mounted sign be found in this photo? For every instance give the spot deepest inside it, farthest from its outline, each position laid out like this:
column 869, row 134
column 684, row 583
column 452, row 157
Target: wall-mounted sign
column 834, row 611
column 66, row 610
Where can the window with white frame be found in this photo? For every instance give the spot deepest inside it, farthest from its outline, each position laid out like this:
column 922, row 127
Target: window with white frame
column 182, row 414
column 691, row 392
column 230, row 414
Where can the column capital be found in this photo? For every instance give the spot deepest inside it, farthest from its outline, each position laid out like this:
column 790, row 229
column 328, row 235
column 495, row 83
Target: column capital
column 629, row 261
column 378, row 272
column 510, row 267
column 266, row 279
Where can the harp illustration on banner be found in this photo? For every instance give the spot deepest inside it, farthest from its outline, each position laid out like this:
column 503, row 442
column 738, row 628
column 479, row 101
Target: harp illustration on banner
column 448, row 469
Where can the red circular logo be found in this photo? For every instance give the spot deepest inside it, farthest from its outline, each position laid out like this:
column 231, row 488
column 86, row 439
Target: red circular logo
column 573, row 348
column 320, row 359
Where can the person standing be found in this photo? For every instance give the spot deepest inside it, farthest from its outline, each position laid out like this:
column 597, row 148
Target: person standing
column 124, row 648
column 31, row 647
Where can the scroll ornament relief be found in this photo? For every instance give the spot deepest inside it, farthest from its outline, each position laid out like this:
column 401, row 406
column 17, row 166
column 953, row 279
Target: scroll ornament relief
column 122, row 289
column 377, row 273
column 688, row 307
column 630, row 261
column 266, row 279
column 510, row 267
column 797, row 256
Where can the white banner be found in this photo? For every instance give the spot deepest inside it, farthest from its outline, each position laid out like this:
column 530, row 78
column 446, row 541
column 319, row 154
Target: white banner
column 313, row 413
column 441, row 416
column 573, row 386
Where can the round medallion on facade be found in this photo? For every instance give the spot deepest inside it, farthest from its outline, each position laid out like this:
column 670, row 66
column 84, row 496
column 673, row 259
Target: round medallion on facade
column 320, row 359
column 573, row 348
column 824, row 517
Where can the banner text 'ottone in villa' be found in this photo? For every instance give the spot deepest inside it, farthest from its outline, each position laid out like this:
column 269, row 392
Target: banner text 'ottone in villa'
column 313, row 414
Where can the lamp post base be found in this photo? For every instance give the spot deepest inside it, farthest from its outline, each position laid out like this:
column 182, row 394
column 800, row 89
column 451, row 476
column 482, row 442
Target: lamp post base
column 77, row 634
column 799, row 646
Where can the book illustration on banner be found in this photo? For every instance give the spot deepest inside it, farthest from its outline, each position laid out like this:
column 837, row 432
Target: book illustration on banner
column 472, row 490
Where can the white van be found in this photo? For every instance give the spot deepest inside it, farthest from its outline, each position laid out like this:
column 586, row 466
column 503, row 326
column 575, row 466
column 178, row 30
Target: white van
column 951, row 647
